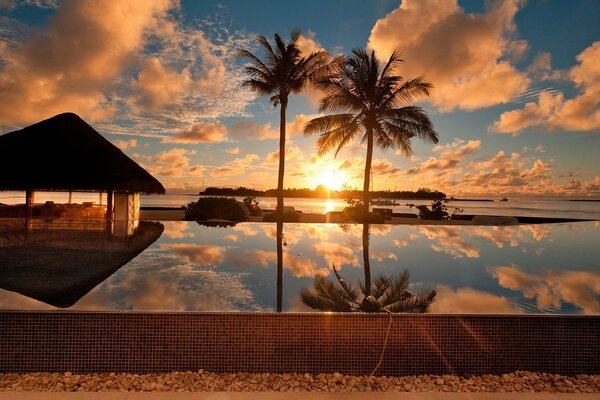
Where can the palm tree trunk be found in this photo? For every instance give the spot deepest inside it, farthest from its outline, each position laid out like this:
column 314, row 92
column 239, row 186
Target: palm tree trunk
column 366, row 262
column 279, row 265
column 279, row 210
column 367, row 180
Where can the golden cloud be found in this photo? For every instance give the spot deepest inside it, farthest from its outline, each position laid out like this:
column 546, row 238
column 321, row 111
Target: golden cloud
column 464, row 55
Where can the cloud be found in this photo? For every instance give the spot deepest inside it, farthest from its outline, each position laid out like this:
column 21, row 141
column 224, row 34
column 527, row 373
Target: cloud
column 234, row 167
column 132, row 66
column 14, row 4
column 126, row 144
column 291, row 153
column 157, row 87
column 553, row 112
column 235, row 150
column 249, row 129
column 71, row 64
column 504, row 172
column 464, row 55
column 551, row 288
column 200, row 132
column 174, row 163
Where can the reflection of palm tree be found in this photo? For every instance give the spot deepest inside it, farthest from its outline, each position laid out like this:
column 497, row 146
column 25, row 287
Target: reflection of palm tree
column 283, row 72
column 385, row 294
column 279, row 266
column 370, row 97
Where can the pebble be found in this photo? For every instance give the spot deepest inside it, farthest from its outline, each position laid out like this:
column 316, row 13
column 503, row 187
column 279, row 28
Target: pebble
column 518, row 381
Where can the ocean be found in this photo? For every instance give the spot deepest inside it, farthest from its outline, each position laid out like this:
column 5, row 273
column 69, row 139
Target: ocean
column 519, row 208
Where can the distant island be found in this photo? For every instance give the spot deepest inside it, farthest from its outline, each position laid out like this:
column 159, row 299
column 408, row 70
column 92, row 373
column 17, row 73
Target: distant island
column 323, row 192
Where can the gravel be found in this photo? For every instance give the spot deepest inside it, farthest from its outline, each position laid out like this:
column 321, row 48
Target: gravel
column 201, row 380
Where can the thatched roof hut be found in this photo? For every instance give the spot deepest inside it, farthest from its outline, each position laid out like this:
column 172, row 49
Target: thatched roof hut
column 64, row 153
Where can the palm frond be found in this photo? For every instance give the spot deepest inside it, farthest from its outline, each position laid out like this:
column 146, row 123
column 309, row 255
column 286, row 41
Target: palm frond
column 380, row 285
column 397, row 289
column 415, row 304
column 351, row 292
column 326, row 123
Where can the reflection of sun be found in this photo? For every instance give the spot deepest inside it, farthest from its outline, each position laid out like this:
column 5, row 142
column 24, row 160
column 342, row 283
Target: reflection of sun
column 331, row 178
column 329, row 206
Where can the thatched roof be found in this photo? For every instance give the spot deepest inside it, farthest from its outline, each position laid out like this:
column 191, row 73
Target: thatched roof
column 59, row 267
column 64, row 153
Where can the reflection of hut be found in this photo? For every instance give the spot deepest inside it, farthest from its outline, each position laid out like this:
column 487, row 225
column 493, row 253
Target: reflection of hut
column 65, row 154
column 60, row 266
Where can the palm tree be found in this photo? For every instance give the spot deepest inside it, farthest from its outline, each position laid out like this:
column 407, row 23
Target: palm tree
column 284, row 71
column 373, row 100
column 387, row 295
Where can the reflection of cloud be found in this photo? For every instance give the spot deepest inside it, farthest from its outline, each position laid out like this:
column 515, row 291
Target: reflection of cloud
column 301, row 267
column 466, row 300
column 199, row 254
column 165, row 283
column 449, row 241
column 382, row 255
column 245, row 229
column 336, row 254
column 315, row 231
column 247, row 258
column 459, row 242
column 15, row 301
column 177, row 230
column 551, row 288
column 296, row 264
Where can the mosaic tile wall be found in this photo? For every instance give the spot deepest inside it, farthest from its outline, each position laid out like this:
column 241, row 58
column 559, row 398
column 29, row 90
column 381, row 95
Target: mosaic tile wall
column 351, row 344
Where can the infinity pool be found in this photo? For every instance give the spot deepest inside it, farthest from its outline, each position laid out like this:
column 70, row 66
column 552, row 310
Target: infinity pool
column 184, row 266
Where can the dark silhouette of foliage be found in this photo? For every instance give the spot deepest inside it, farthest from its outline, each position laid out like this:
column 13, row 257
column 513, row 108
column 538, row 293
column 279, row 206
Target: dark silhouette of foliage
column 386, row 295
column 438, row 211
column 216, row 208
column 252, row 206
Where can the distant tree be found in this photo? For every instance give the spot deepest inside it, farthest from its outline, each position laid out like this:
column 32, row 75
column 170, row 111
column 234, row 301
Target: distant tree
column 372, row 98
column 284, row 71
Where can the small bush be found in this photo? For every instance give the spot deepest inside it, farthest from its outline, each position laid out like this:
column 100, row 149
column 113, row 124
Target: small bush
column 354, row 212
column 438, row 211
column 252, row 206
column 216, row 208
column 288, row 216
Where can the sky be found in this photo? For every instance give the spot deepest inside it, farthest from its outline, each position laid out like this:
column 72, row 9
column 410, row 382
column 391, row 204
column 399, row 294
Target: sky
column 516, row 98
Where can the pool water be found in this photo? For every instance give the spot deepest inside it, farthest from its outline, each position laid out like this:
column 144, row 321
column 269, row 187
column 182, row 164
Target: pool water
column 546, row 268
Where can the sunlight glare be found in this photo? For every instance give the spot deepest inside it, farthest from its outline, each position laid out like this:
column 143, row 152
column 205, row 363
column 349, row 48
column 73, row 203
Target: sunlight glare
column 331, row 178
column 329, row 206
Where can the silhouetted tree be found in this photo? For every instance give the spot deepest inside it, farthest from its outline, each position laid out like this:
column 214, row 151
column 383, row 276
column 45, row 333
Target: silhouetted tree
column 284, row 71
column 372, row 99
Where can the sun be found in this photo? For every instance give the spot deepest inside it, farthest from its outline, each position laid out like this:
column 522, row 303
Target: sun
column 331, row 178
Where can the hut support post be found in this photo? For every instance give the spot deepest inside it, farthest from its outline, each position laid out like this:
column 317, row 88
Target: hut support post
column 70, row 197
column 109, row 211
column 29, row 199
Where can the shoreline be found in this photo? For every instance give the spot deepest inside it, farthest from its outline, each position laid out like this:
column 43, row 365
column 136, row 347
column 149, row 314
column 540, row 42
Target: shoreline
column 177, row 214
